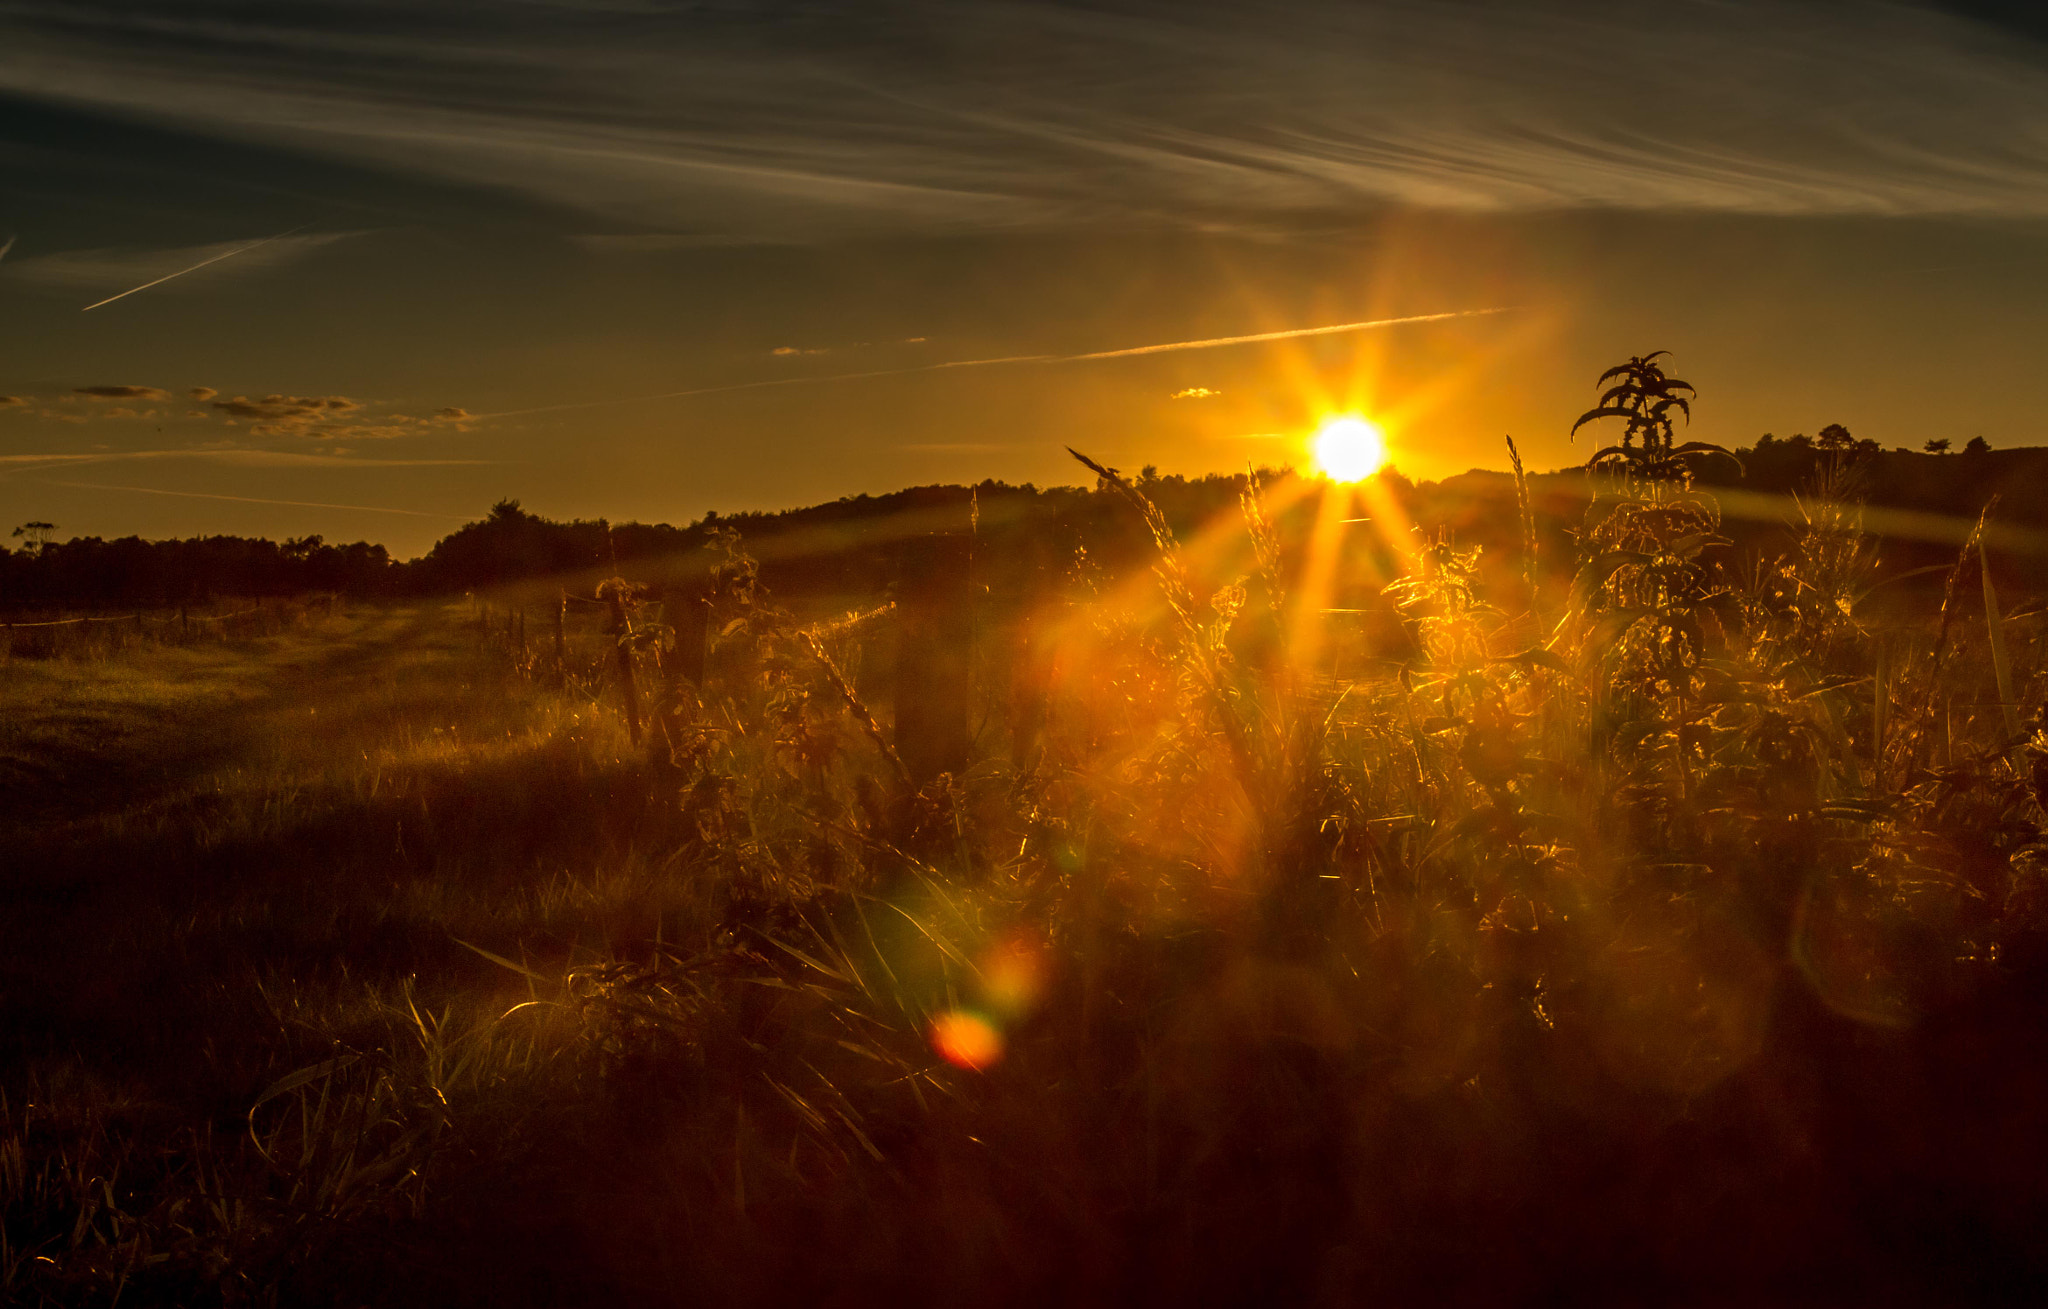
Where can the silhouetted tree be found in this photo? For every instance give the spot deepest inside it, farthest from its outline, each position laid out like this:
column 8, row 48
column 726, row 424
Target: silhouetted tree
column 37, row 535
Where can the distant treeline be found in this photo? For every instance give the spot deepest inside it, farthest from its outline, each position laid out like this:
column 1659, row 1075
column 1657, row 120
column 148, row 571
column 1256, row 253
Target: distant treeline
column 1027, row 537
column 90, row 573
column 1919, row 505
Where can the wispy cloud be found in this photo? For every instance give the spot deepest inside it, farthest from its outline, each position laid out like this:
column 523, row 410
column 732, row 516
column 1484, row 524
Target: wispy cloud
column 282, row 412
column 710, row 123
column 331, row 417
column 225, row 455
column 1124, row 352
column 253, row 500
column 122, row 392
column 324, row 418
column 648, row 243
column 1195, row 393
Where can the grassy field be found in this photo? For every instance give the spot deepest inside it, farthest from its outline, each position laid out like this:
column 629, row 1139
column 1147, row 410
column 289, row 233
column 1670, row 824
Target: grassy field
column 226, row 862
column 1665, row 930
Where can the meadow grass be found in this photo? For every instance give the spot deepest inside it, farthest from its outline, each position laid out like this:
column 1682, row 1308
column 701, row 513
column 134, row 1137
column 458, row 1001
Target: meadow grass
column 1657, row 930
column 229, row 862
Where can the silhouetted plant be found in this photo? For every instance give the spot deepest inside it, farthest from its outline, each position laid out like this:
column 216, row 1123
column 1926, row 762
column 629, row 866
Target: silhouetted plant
column 1649, row 455
column 1649, row 593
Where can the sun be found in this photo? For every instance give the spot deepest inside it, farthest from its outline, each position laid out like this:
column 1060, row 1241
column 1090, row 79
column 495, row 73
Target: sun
column 1350, row 449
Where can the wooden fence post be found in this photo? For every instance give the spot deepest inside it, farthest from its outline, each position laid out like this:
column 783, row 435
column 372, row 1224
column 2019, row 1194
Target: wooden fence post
column 934, row 656
column 184, row 624
column 1030, row 686
column 692, row 624
column 622, row 630
column 561, row 641
column 519, row 631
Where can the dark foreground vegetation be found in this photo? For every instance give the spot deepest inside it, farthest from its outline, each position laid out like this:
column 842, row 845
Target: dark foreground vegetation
column 1634, row 915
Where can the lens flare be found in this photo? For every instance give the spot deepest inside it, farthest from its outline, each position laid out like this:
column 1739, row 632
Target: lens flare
column 1013, row 976
column 1350, row 449
column 966, row 1039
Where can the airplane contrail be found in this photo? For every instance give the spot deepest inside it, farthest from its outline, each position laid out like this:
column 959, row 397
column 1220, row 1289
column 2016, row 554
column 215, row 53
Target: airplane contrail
column 1285, row 335
column 1209, row 343
column 238, row 250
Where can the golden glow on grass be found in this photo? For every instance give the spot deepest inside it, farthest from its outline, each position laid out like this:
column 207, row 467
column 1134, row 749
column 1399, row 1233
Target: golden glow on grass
column 1349, row 448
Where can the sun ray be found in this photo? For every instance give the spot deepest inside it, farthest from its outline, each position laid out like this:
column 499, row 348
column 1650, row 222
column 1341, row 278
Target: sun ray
column 1307, row 625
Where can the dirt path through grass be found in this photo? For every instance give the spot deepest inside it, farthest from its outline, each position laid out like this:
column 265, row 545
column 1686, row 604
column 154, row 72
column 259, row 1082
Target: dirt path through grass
column 178, row 823
column 202, row 848
column 97, row 739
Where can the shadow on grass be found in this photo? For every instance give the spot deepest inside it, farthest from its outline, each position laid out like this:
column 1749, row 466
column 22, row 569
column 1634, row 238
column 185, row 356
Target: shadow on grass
column 336, row 820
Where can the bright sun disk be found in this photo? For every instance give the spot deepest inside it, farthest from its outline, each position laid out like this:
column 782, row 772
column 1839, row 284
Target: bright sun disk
column 1350, row 449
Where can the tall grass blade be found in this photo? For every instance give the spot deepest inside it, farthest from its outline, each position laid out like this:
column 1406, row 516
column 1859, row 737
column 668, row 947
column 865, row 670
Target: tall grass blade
column 1528, row 514
column 2001, row 662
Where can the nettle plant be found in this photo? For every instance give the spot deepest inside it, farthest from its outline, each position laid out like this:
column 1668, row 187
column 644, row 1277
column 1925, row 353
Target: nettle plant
column 1649, row 456
column 1652, row 602
column 1485, row 707
column 1472, row 687
column 1440, row 598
